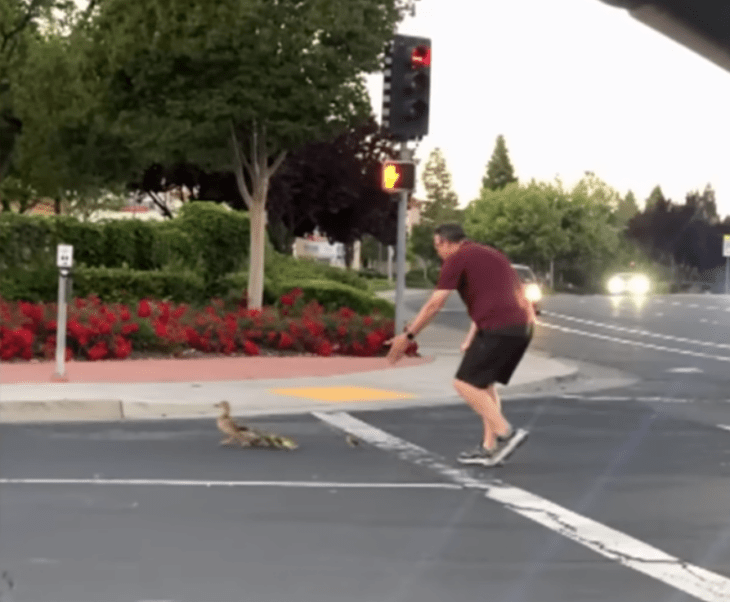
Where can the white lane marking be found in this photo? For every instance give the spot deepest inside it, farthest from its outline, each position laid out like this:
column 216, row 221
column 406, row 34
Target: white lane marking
column 724, row 426
column 687, row 370
column 659, row 300
column 719, row 358
column 659, row 399
column 597, row 397
column 193, row 483
column 638, row 331
column 660, row 314
column 704, row 320
column 615, row 545
column 676, row 303
column 711, row 307
column 693, row 305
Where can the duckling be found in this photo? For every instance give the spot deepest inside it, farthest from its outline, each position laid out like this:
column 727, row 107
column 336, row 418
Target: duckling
column 246, row 436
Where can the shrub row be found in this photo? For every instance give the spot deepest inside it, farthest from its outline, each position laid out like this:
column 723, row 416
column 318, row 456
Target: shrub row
column 205, row 237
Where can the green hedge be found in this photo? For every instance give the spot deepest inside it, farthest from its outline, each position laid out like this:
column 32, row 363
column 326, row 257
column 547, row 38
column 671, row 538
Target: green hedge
column 205, row 236
column 334, row 295
column 283, row 267
column 121, row 285
column 111, row 285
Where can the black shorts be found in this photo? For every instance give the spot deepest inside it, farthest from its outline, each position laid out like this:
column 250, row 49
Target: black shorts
column 493, row 355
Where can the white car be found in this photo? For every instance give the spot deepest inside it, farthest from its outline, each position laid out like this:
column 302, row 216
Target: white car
column 533, row 292
column 629, row 283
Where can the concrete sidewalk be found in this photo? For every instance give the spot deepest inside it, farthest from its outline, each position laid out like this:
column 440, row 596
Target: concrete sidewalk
column 179, row 388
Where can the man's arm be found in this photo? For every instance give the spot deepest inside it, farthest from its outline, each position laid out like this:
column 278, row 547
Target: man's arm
column 428, row 311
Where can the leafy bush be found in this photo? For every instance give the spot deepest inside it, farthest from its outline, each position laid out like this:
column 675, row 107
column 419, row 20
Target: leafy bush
column 415, row 279
column 335, row 295
column 121, row 285
column 283, row 267
column 220, row 236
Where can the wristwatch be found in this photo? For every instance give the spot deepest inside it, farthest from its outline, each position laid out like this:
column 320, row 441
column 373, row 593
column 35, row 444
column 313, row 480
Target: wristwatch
column 409, row 335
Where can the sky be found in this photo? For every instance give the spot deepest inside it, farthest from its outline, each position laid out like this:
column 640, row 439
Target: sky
column 573, row 86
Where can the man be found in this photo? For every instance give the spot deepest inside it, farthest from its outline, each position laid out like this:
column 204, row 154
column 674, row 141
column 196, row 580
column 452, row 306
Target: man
column 502, row 326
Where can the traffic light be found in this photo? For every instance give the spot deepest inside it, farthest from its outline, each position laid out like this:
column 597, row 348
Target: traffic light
column 397, row 176
column 406, row 87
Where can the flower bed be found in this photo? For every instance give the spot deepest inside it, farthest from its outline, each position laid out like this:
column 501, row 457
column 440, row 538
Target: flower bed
column 97, row 331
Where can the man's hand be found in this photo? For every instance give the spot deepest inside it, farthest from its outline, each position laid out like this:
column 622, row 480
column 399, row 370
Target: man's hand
column 398, row 347
column 465, row 345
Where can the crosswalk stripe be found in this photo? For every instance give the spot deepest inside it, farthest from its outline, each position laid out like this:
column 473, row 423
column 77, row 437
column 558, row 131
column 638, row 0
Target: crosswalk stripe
column 615, row 545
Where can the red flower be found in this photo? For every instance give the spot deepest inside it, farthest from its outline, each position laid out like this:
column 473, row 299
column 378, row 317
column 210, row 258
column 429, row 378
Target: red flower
column 287, row 300
column 374, row 340
column 124, row 314
column 122, row 347
column 143, row 309
column 129, row 328
column 346, row 313
column 98, row 351
column 341, row 330
column 179, row 312
column 192, row 337
column 105, row 328
column 324, row 348
column 367, row 320
column 24, row 337
column 314, row 328
column 285, row 341
column 250, row 348
column 164, row 313
column 160, row 329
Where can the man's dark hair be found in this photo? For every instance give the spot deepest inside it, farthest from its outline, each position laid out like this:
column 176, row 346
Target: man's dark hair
column 450, row 232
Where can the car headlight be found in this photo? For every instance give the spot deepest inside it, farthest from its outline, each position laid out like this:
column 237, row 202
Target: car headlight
column 533, row 292
column 639, row 285
column 616, row 285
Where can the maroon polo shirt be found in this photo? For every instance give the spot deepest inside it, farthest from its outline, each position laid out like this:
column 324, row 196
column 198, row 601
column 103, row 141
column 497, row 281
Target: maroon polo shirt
column 488, row 285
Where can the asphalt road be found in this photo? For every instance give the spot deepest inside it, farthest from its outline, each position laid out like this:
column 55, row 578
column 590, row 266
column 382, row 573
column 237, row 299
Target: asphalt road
column 618, row 495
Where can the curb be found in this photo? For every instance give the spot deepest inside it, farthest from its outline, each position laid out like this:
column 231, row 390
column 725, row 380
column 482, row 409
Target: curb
column 118, row 410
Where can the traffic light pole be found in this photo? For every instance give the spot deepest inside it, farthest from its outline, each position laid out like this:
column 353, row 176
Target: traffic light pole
column 405, row 155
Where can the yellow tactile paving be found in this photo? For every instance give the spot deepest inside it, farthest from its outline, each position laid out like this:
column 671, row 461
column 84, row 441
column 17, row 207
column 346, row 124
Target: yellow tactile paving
column 343, row 393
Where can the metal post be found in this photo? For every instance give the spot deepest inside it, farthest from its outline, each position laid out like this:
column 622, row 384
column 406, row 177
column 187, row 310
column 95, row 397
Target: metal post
column 401, row 251
column 61, row 325
column 727, row 275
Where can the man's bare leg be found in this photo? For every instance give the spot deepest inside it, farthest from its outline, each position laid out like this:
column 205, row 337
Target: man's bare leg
column 486, row 403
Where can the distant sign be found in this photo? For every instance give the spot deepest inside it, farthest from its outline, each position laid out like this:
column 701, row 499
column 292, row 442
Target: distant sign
column 726, row 245
column 64, row 256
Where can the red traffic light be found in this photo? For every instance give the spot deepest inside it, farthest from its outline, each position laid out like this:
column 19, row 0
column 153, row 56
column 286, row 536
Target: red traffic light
column 421, row 56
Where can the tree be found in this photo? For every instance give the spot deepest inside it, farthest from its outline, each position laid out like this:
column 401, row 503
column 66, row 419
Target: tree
column 705, row 204
column 499, row 169
column 64, row 151
column 542, row 223
column 18, row 26
column 60, row 147
column 237, row 83
column 655, row 196
column 441, row 205
column 525, row 222
column 441, row 200
column 333, row 186
column 626, row 209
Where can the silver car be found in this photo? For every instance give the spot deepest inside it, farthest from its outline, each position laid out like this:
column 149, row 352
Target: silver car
column 533, row 292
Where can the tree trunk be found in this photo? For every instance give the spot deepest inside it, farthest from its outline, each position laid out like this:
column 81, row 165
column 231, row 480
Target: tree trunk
column 257, row 166
column 349, row 252
column 257, row 215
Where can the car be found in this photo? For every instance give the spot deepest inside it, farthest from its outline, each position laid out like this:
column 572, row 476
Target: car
column 629, row 283
column 533, row 292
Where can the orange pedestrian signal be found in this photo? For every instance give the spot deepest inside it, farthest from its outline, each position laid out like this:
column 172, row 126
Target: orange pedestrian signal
column 398, row 176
